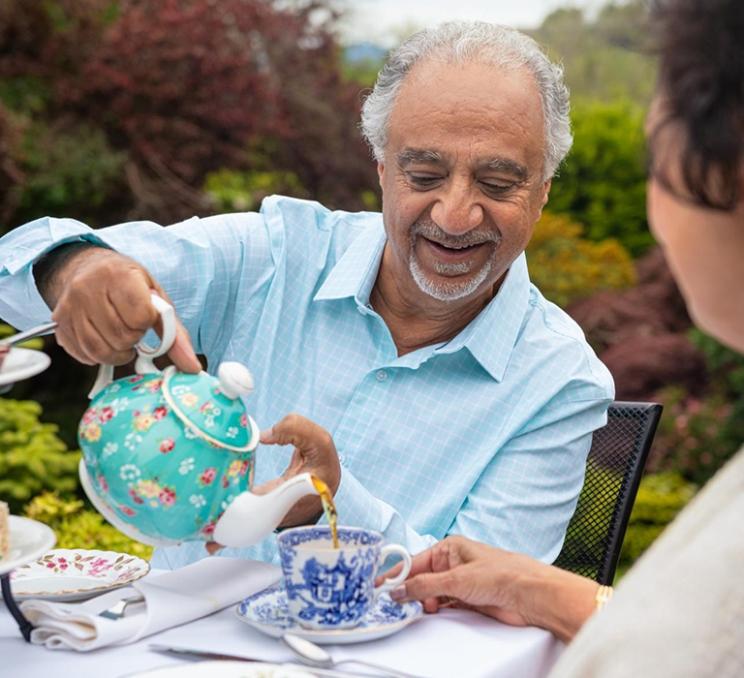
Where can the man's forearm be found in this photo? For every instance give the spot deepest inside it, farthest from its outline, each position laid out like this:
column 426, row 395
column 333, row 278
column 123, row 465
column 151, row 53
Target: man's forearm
column 49, row 271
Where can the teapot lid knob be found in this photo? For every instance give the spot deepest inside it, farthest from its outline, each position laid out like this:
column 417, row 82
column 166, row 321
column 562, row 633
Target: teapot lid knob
column 235, row 379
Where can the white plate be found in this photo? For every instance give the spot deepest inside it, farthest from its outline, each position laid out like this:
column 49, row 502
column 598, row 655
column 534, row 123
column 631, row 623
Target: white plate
column 28, row 540
column 224, row 669
column 267, row 611
column 22, row 363
column 76, row 574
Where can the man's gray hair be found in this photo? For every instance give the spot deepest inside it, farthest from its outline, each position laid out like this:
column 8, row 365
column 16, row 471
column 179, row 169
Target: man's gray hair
column 463, row 41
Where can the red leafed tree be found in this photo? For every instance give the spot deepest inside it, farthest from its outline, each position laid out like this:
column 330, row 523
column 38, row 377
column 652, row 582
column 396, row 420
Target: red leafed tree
column 192, row 86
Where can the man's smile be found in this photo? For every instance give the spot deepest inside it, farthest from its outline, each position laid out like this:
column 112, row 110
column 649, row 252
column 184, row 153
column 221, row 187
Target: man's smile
column 454, row 252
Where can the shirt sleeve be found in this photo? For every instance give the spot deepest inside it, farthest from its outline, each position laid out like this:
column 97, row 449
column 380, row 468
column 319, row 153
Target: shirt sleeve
column 198, row 262
column 527, row 495
column 359, row 506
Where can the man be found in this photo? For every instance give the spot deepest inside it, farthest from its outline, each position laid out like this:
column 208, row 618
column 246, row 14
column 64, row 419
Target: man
column 459, row 401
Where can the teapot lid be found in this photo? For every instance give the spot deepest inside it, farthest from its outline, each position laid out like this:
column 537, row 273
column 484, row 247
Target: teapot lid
column 211, row 407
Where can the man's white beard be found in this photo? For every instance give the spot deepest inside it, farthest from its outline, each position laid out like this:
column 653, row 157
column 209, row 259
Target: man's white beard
column 448, row 291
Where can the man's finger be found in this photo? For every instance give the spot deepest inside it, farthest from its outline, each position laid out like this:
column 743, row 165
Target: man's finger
column 182, row 352
column 213, row 547
column 294, row 429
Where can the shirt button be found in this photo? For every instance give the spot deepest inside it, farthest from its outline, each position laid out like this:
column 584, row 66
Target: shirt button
column 381, row 375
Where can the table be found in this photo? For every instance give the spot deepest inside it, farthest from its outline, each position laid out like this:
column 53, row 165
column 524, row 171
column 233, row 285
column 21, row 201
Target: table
column 449, row 644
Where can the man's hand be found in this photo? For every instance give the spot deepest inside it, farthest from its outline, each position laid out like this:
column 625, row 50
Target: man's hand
column 314, row 452
column 102, row 307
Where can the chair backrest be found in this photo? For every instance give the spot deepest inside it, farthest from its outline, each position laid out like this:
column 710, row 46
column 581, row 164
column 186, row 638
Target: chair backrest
column 613, row 472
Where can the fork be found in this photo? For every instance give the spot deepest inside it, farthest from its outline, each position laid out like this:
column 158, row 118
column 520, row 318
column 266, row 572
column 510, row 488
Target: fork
column 118, row 609
column 31, row 333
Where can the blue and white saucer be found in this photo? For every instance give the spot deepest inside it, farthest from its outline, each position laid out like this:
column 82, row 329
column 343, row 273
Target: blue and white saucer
column 267, row 612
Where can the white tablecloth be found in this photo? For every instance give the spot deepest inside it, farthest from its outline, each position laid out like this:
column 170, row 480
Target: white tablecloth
column 449, row 644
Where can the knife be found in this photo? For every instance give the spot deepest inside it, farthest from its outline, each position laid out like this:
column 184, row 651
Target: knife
column 193, row 655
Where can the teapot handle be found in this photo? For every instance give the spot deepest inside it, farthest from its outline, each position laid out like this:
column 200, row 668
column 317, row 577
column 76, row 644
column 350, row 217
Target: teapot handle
column 145, row 354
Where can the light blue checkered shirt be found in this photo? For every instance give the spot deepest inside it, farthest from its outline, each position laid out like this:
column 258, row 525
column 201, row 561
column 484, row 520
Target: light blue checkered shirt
column 485, row 435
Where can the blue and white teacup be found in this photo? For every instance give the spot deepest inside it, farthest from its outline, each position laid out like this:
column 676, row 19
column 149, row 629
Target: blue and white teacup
column 329, row 588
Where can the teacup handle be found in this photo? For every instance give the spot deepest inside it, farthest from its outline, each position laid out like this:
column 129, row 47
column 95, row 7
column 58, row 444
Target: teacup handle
column 145, row 354
column 393, row 582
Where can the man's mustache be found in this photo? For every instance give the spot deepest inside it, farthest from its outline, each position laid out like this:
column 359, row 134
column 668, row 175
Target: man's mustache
column 429, row 230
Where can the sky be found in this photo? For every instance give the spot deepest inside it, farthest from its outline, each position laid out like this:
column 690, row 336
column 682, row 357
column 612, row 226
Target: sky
column 381, row 21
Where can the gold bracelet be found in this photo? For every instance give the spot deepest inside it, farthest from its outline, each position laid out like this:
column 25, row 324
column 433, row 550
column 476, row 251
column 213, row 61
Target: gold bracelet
column 603, row 596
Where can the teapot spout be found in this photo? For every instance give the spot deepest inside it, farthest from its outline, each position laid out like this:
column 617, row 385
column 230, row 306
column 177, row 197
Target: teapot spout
column 250, row 517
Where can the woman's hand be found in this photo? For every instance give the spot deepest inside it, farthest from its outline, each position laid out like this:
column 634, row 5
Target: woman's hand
column 510, row 587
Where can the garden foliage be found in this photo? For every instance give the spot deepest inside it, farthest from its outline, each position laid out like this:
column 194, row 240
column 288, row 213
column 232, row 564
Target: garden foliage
column 566, row 266
column 32, row 457
column 602, row 183
column 700, row 432
column 660, row 498
column 143, row 99
column 78, row 527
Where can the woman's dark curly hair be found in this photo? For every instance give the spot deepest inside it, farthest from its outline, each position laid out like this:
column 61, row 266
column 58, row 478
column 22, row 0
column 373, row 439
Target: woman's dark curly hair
column 701, row 80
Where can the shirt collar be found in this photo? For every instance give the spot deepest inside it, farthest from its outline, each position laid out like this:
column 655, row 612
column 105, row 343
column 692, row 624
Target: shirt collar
column 355, row 272
column 490, row 337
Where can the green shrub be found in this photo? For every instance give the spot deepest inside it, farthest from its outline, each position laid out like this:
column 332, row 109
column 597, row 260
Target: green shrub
column 602, row 184
column 566, row 266
column 230, row 190
column 660, row 498
column 32, row 457
column 77, row 527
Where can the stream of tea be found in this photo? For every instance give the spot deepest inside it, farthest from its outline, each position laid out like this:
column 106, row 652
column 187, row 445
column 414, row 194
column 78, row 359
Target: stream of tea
column 329, row 507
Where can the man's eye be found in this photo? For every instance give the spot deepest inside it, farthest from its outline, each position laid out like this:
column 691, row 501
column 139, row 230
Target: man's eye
column 497, row 187
column 423, row 180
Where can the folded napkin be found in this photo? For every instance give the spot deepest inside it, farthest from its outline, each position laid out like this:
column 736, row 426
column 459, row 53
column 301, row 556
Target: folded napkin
column 170, row 599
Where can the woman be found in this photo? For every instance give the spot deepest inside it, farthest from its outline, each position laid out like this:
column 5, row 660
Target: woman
column 680, row 610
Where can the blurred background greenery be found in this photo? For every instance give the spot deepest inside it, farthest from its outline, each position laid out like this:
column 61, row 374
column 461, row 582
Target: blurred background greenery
column 113, row 110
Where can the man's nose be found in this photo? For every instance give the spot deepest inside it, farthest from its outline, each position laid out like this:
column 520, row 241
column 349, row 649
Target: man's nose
column 457, row 210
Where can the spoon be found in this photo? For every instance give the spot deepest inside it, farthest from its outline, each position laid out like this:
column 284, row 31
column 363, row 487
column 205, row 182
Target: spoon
column 313, row 655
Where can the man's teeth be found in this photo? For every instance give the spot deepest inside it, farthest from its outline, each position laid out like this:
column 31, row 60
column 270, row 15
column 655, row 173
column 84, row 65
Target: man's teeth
column 456, row 247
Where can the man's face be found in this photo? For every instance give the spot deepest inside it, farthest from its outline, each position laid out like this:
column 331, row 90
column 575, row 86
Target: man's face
column 462, row 179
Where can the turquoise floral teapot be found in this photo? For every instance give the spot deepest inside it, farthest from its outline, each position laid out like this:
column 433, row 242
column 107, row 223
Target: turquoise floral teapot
column 169, row 456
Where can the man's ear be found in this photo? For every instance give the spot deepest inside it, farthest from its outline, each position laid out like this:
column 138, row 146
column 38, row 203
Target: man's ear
column 380, row 172
column 545, row 188
column 546, row 192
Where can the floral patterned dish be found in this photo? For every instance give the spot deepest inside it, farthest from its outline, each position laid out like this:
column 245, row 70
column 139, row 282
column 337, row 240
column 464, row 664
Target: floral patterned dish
column 268, row 612
column 76, row 574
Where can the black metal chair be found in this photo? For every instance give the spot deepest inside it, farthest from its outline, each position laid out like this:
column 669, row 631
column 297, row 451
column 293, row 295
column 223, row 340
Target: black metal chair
column 613, row 472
